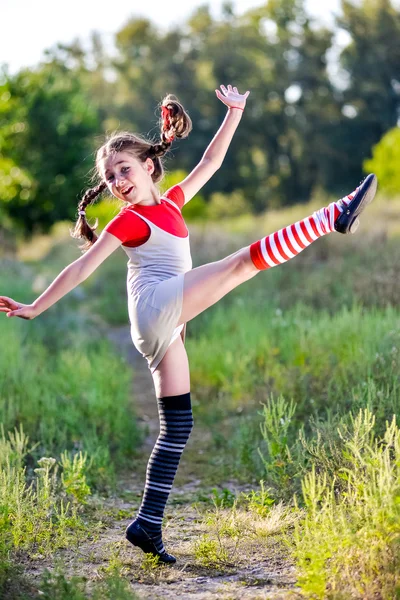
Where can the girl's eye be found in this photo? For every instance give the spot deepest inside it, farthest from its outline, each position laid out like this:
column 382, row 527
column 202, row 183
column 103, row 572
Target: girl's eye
column 123, row 170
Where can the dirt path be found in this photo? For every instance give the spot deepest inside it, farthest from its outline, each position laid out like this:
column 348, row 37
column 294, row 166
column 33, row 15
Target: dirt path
column 256, row 572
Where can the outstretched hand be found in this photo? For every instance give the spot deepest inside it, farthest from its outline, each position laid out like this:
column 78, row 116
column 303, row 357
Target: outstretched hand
column 231, row 97
column 16, row 309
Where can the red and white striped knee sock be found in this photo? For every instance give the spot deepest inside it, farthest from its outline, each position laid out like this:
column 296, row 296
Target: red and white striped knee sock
column 286, row 243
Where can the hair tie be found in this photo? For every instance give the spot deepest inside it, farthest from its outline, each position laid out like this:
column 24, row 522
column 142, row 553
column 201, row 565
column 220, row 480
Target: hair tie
column 166, row 119
column 82, row 212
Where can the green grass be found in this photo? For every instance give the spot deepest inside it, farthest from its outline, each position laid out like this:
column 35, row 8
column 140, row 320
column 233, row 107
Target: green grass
column 41, row 512
column 327, row 365
column 347, row 544
column 76, row 399
column 64, row 382
column 248, row 351
column 55, row 585
column 305, row 398
column 68, row 427
column 296, row 374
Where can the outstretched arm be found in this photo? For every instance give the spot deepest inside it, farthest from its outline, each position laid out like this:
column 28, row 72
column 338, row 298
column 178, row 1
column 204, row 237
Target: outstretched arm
column 214, row 155
column 73, row 275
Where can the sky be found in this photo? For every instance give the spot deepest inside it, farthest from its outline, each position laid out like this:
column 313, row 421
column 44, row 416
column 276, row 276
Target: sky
column 28, row 27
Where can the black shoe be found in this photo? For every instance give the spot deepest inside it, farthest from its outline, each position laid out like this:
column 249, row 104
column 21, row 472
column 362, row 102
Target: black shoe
column 139, row 537
column 347, row 222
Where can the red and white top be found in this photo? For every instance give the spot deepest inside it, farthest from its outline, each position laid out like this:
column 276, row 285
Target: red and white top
column 133, row 231
column 156, row 241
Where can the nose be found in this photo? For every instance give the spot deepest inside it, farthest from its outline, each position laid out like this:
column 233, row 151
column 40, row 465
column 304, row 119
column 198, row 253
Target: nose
column 120, row 182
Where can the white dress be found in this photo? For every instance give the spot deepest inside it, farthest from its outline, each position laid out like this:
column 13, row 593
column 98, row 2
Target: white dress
column 155, row 290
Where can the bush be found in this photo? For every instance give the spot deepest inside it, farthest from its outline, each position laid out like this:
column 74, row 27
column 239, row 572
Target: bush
column 227, row 205
column 385, row 162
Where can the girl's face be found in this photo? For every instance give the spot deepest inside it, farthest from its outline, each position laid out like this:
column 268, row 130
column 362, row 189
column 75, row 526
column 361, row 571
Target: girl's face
column 128, row 178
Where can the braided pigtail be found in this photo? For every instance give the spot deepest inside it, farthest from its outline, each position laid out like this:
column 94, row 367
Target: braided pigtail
column 175, row 123
column 82, row 228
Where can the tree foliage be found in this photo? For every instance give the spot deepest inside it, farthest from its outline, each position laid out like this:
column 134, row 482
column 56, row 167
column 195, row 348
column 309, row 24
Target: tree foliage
column 302, row 130
column 372, row 64
column 385, row 162
column 45, row 145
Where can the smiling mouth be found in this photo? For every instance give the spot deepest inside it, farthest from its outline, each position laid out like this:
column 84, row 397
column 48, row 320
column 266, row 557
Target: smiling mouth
column 128, row 191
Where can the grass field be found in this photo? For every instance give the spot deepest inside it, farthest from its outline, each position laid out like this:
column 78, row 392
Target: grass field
column 295, row 374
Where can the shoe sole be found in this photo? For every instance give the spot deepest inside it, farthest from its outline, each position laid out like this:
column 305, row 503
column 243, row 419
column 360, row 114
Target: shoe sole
column 369, row 195
column 354, row 226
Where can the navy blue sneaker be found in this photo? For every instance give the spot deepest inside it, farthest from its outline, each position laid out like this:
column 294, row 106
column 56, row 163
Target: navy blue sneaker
column 139, row 537
column 347, row 221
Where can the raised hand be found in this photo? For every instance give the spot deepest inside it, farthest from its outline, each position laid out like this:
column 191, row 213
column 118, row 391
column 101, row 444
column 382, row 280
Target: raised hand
column 231, row 97
column 16, row 309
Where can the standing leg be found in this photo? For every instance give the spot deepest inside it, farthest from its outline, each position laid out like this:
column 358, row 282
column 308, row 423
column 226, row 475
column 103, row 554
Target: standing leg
column 207, row 284
column 171, row 380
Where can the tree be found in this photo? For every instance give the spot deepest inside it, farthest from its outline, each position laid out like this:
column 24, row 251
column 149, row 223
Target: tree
column 372, row 64
column 46, row 141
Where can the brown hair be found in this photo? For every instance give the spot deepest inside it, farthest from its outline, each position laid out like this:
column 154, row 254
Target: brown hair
column 178, row 124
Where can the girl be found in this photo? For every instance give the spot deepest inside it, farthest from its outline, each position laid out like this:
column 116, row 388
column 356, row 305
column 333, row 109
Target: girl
column 164, row 293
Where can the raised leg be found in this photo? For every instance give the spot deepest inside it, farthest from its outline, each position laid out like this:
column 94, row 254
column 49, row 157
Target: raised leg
column 207, row 284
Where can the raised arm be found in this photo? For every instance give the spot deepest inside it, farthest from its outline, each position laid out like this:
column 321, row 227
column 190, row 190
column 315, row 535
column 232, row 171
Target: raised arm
column 214, row 155
column 73, row 275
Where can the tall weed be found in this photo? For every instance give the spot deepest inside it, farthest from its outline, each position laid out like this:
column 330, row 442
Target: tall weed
column 56, row 585
column 36, row 513
column 347, row 544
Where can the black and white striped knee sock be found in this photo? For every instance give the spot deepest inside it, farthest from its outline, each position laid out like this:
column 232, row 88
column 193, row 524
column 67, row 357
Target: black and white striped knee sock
column 176, row 423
